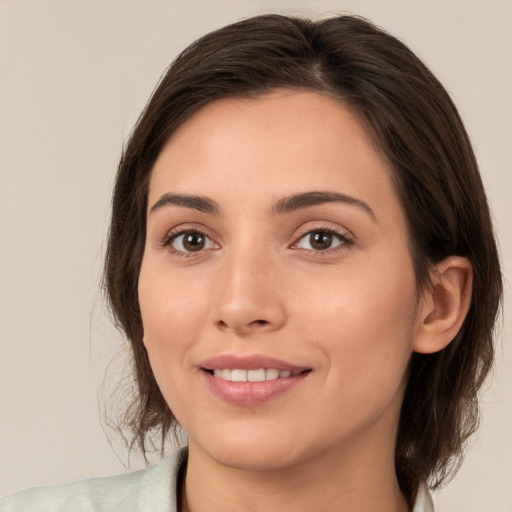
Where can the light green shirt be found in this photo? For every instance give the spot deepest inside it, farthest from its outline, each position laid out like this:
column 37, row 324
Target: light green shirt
column 150, row 490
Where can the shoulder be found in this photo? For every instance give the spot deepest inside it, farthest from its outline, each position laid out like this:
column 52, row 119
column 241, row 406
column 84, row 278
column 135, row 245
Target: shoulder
column 87, row 495
column 150, row 489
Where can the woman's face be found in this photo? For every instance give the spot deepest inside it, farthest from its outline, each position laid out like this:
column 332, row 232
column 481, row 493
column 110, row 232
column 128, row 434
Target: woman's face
column 277, row 290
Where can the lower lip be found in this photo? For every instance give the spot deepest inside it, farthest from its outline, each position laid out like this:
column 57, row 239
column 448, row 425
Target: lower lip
column 251, row 393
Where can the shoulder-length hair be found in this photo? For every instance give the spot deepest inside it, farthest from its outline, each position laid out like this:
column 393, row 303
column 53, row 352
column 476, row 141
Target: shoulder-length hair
column 415, row 126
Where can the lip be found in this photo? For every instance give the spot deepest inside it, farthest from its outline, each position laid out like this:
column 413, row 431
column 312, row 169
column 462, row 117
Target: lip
column 254, row 362
column 250, row 393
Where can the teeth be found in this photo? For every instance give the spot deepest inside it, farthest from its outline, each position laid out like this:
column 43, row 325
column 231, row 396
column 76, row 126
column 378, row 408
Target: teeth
column 256, row 375
column 238, row 375
column 271, row 374
column 259, row 375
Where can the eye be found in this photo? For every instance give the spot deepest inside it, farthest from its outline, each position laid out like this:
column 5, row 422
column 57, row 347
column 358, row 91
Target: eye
column 321, row 240
column 189, row 242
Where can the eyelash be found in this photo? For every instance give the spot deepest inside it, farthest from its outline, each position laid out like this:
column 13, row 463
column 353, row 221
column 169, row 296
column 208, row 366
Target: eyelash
column 174, row 235
column 345, row 241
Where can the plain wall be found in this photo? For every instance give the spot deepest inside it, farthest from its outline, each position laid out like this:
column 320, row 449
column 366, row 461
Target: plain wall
column 74, row 75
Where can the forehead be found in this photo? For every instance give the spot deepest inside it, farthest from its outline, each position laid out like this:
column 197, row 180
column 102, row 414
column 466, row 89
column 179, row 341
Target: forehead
column 282, row 143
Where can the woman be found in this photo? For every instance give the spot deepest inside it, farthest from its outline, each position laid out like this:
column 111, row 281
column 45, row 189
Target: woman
column 302, row 257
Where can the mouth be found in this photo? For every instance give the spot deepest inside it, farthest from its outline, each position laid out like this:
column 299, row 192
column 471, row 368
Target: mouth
column 250, row 380
column 257, row 375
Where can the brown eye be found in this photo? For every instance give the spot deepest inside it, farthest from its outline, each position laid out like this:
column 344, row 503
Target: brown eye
column 321, row 240
column 191, row 241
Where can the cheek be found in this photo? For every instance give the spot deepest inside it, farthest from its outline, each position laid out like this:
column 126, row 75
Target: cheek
column 363, row 321
column 171, row 321
column 172, row 313
column 361, row 298
column 170, row 306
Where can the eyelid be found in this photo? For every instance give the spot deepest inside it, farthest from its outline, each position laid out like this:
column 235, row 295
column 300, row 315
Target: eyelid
column 344, row 235
column 180, row 230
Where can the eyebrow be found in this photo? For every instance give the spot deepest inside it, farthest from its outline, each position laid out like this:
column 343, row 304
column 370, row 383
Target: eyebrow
column 307, row 199
column 201, row 203
column 284, row 205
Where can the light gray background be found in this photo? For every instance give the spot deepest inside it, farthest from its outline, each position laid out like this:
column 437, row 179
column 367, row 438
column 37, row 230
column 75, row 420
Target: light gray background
column 74, row 75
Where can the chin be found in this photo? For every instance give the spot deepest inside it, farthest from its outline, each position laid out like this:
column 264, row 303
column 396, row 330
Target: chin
column 250, row 452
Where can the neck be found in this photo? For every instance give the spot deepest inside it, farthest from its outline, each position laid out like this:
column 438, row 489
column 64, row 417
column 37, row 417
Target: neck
column 334, row 481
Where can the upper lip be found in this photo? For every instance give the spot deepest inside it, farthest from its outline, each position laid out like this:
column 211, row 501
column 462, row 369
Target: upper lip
column 254, row 362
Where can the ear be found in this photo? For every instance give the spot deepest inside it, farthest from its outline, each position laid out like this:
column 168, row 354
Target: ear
column 444, row 305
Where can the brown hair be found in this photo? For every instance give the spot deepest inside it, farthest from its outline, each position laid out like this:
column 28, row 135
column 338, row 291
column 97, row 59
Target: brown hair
column 418, row 130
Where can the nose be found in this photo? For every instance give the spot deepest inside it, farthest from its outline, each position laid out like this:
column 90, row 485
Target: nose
column 250, row 298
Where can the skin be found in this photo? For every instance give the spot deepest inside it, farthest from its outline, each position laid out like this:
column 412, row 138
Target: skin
column 350, row 312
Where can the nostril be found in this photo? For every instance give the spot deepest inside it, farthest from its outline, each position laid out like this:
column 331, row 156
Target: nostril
column 240, row 323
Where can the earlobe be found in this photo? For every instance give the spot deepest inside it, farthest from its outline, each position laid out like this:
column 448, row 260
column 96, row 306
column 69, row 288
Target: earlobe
column 445, row 305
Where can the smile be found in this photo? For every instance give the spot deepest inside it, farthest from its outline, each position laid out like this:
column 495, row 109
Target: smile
column 258, row 375
column 250, row 380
